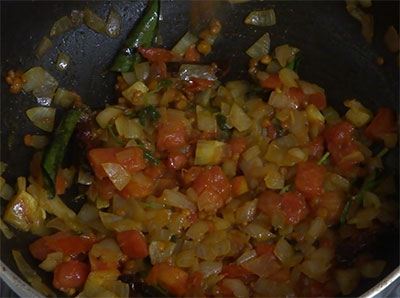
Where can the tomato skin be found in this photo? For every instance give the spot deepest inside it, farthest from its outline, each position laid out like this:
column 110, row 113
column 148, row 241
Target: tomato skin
column 340, row 143
column 176, row 161
column 298, row 95
column 63, row 242
column 132, row 159
column 238, row 145
column 213, row 179
column 318, row 99
column 171, row 135
column 272, row 82
column 269, row 202
column 192, row 55
column 384, row 122
column 294, row 207
column 158, row 70
column 309, row 178
column 133, row 244
column 140, row 186
column 61, row 183
column 173, row 279
column 70, row 275
column 265, row 249
column 104, row 188
column 197, row 85
column 156, row 54
column 316, row 148
column 239, row 186
column 291, row 205
column 98, row 156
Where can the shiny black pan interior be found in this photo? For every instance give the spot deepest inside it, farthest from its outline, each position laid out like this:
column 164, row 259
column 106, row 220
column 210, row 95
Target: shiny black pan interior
column 335, row 56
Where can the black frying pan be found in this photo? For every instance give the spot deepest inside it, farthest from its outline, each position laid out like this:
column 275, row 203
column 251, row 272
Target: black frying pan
column 335, row 56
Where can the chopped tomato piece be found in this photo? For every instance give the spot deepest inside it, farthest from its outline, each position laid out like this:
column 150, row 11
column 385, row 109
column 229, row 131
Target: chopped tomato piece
column 140, row 186
column 131, row 159
column 133, row 244
column 272, row 82
column 195, row 279
column 156, row 54
column 158, row 70
column 269, row 202
column 316, row 148
column 340, row 142
column 176, row 161
column 238, row 145
column 290, row 205
column 239, row 186
column 61, row 183
column 272, row 133
column 384, row 122
column 192, row 55
column 298, row 95
column 98, row 156
column 233, row 270
column 213, row 188
column 155, row 171
column 171, row 135
column 171, row 278
column 197, row 85
column 104, row 188
column 70, row 275
column 165, row 183
column 265, row 249
column 309, row 178
column 318, row 100
column 294, row 207
column 63, row 242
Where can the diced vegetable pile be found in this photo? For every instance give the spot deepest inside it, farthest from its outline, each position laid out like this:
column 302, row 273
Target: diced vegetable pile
column 193, row 186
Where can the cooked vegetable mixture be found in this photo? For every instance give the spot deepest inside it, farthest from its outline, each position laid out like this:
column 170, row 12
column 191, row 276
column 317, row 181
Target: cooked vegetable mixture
column 194, row 186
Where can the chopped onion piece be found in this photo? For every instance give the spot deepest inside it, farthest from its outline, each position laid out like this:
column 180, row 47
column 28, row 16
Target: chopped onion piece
column 51, row 261
column 117, row 174
column 85, row 177
column 42, row 117
column 45, row 93
column 184, row 43
column 76, row 17
column 285, row 54
column 63, row 61
column 260, row 48
column 261, row 18
column 129, row 128
column 65, row 98
column 61, row 26
column 114, row 22
column 105, row 116
column 205, row 120
column 188, row 71
column 209, row 152
column 142, row 71
column 31, row 276
column 44, row 46
column 208, row 268
column 93, row 21
column 6, row 192
column 129, row 77
column 3, row 167
column 35, row 77
column 178, row 200
column 159, row 251
column 36, row 141
column 6, row 230
column 239, row 118
column 238, row 288
column 391, row 39
column 246, row 256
